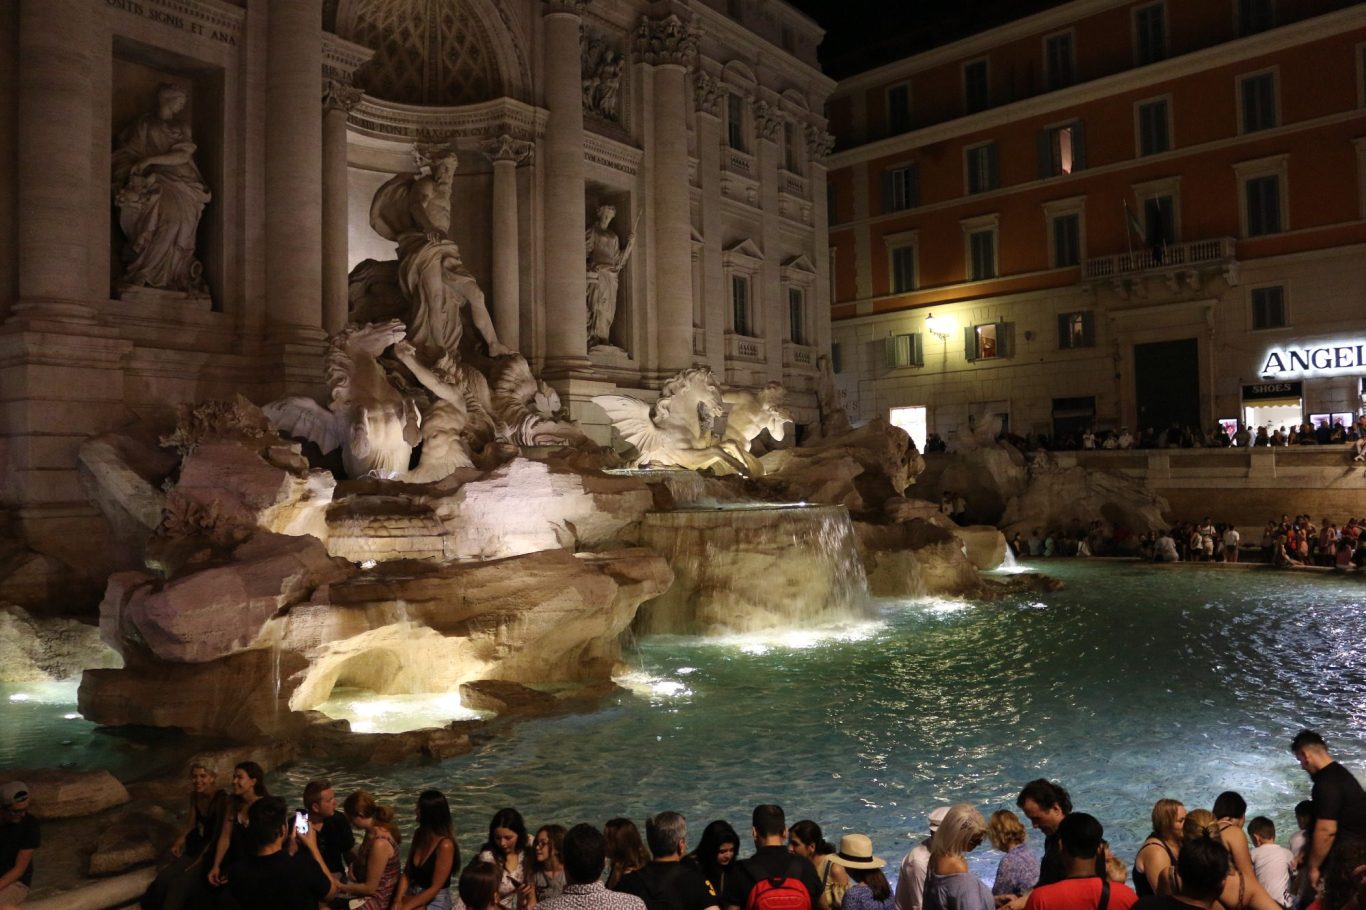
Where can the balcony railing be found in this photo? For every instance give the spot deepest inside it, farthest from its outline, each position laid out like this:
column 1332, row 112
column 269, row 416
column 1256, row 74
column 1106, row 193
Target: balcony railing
column 792, row 184
column 744, row 347
column 1216, row 252
column 738, row 162
column 798, row 356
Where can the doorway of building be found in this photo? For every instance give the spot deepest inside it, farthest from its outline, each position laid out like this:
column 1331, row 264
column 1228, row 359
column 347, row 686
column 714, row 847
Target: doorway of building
column 1167, row 383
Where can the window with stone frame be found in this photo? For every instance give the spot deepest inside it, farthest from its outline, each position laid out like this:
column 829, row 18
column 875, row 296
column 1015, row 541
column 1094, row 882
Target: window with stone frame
column 1268, row 307
column 740, row 304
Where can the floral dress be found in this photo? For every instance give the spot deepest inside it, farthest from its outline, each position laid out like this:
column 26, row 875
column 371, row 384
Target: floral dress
column 388, row 879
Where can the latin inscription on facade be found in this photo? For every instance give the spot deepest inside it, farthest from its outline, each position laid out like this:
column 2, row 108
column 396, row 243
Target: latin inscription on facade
column 184, row 16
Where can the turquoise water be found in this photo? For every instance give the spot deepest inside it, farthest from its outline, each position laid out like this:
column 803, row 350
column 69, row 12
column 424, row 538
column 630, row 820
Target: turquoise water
column 1133, row 683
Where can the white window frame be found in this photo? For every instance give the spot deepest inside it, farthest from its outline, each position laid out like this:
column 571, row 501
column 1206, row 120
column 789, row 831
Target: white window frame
column 912, row 167
column 1152, row 189
column 1272, row 166
column 1138, row 125
column 963, row 83
column 898, row 241
column 978, row 225
column 887, row 106
column 1058, row 208
column 1071, row 35
column 968, row 169
column 736, row 262
column 1053, row 131
column 1275, row 73
column 1285, row 306
column 1166, row 32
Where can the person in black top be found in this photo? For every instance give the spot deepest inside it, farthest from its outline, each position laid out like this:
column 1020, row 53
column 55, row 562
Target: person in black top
column 771, row 860
column 1046, row 804
column 1338, row 839
column 336, row 839
column 665, row 883
column 19, row 838
column 183, row 882
column 1201, row 867
column 278, row 877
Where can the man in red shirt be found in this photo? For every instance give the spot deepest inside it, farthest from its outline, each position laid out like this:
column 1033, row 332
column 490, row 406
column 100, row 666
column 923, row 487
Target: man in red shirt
column 1079, row 837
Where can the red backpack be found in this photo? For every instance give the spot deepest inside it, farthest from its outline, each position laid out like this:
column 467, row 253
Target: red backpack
column 779, row 893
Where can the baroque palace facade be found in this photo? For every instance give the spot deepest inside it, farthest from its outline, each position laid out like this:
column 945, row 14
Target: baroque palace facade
column 1109, row 213
column 194, row 193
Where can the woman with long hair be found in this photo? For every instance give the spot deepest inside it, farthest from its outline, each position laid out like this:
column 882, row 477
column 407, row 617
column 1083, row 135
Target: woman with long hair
column 1230, row 814
column 248, row 785
column 949, row 885
column 716, row 853
column 180, row 884
column 376, row 870
column 1018, row 871
column 507, row 850
column 806, row 840
column 548, row 847
column 434, row 853
column 625, row 850
column 868, row 887
column 1159, row 852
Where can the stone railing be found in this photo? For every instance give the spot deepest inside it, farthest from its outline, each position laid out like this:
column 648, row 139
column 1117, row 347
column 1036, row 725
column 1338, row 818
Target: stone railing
column 1216, row 252
column 793, row 184
column 744, row 347
column 798, row 356
column 738, row 162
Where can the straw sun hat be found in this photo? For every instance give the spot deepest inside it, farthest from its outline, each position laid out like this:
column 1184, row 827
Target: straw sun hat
column 856, row 852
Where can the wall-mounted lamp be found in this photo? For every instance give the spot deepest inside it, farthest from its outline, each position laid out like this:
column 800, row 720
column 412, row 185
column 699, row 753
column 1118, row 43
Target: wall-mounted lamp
column 940, row 326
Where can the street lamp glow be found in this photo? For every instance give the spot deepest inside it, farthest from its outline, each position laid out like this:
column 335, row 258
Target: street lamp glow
column 941, row 326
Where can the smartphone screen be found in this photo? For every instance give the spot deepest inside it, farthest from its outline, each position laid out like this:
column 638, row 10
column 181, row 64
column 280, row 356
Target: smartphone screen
column 301, row 822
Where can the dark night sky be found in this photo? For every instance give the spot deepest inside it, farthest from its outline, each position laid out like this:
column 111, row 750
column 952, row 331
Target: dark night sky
column 862, row 34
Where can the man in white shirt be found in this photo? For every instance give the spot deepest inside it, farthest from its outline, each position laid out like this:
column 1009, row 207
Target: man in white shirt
column 1270, row 860
column 915, row 865
column 1231, row 540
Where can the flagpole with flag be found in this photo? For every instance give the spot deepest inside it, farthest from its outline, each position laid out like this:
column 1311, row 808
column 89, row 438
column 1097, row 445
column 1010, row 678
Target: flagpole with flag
column 1132, row 227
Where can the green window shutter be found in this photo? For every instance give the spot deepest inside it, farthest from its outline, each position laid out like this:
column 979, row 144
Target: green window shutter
column 1044, row 143
column 918, row 349
column 1005, row 339
column 970, row 343
column 1088, row 329
column 889, row 352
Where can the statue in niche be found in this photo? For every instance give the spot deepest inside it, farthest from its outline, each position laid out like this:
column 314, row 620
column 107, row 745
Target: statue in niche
column 602, row 69
column 160, row 195
column 606, row 258
column 414, row 211
column 750, row 413
column 678, row 429
column 374, row 424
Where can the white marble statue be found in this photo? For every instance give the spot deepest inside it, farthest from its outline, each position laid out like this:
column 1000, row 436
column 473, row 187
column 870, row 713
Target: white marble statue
column 414, row 210
column 160, row 196
column 375, row 425
column 606, row 258
column 678, row 430
column 529, row 408
column 750, row 413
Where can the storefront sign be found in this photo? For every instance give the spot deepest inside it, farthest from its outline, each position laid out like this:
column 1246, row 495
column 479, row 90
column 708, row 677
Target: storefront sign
column 1328, row 360
column 1262, row 391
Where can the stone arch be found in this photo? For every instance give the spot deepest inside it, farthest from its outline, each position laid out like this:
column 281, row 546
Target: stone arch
column 739, row 75
column 437, row 53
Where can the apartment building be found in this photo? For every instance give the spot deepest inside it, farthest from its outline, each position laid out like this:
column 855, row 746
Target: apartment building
column 1108, row 213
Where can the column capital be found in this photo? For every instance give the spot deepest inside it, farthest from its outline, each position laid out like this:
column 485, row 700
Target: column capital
column 667, row 40
column 708, row 93
column 768, row 120
column 570, row 7
column 819, row 144
column 340, row 96
column 506, row 147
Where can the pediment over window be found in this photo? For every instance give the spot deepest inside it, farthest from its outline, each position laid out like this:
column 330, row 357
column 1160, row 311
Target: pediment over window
column 743, row 249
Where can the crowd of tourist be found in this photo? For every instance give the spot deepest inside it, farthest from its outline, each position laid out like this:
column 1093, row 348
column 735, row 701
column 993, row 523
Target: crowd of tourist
column 1187, row 437
column 1289, row 542
column 246, row 850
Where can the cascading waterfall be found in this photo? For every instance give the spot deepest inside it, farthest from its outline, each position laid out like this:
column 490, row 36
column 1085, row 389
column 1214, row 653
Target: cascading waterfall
column 747, row 568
